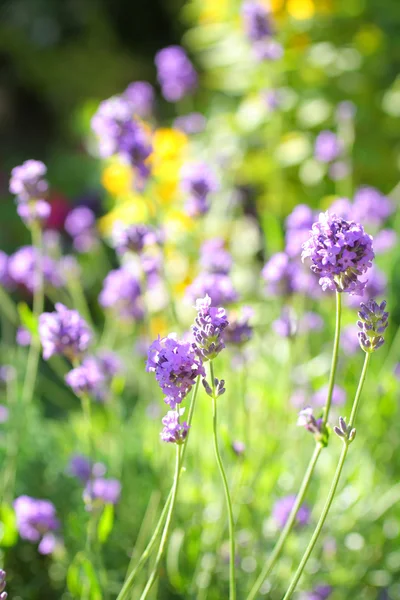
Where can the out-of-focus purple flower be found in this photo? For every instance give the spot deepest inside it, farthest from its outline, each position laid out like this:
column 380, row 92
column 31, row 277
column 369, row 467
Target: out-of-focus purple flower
column 122, row 293
column 310, row 321
column 35, row 519
column 298, row 225
column 79, row 220
column 320, row 396
column 191, row 123
column 22, row 269
column 47, row 544
column 349, row 340
column 327, row 147
column 7, row 373
column 31, row 212
column 385, row 240
column 132, row 237
column 339, row 170
column 87, row 378
column 101, row 491
column 307, row 420
column 23, row 337
column 119, row 133
column 345, row 111
column 272, row 99
column 140, row 95
column 152, row 265
column 282, row 508
column 320, row 592
column 216, row 285
column 214, row 258
column 375, row 286
column 373, row 322
column 256, row 20
column 69, row 267
column 342, row 207
column 397, row 370
column 268, row 49
column 340, row 251
column 238, row 447
column 3, row 415
column 239, row 330
column 280, row 274
column 110, row 363
column 80, row 467
column 299, row 398
column 208, row 329
column 197, row 181
column 286, row 324
column 174, row 431
column 27, row 181
column 64, row 332
column 371, row 206
column 175, row 73
column 3, row 594
column 176, row 366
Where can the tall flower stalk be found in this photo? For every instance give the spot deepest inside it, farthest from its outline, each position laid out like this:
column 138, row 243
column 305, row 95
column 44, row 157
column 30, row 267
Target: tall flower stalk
column 373, row 323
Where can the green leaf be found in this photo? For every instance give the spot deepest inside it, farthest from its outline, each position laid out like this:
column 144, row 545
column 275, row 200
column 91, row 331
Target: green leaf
column 28, row 319
column 106, row 522
column 8, row 526
column 81, row 575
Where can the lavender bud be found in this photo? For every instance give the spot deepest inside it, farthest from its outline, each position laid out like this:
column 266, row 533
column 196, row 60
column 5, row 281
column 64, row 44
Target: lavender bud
column 352, row 435
column 208, row 328
column 373, row 323
column 339, row 432
column 207, row 387
column 342, row 424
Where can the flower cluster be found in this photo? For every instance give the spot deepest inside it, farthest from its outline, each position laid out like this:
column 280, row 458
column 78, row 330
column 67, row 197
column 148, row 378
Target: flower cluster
column 198, row 182
column 176, row 365
column 298, row 225
column 239, row 330
column 340, row 251
column 94, row 375
column 174, row 431
column 64, row 332
column 22, row 269
column 208, row 328
column 175, row 73
column 132, row 238
column 373, row 321
column 122, row 293
column 259, row 30
column 98, row 490
column 80, row 225
column 36, row 522
column 281, row 275
column 282, row 508
column 30, row 188
column 140, row 95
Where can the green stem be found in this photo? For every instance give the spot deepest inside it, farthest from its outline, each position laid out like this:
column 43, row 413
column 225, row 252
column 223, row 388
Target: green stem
column 149, row 548
column 165, row 533
column 335, row 356
column 269, row 565
column 334, row 485
column 8, row 307
column 232, row 584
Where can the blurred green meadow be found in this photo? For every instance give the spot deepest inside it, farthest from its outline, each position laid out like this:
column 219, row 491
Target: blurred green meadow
column 261, row 122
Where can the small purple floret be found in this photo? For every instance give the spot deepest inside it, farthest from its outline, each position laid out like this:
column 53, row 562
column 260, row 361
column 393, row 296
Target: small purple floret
column 373, row 322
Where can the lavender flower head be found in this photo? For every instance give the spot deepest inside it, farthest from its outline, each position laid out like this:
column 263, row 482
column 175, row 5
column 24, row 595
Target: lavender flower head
column 256, row 21
column 280, row 274
column 239, row 330
column 216, row 285
column 208, row 329
column 80, row 224
column 22, row 269
column 197, row 181
column 320, row 592
column 174, row 431
column 176, row 365
column 327, row 147
column 214, row 258
column 307, row 420
column 27, row 181
column 286, row 325
column 191, row 123
column 64, row 332
column 340, row 251
column 101, row 491
column 3, row 594
column 122, row 293
column 282, row 508
column 372, row 324
column 175, row 73
column 140, row 94
column 320, row 396
column 80, row 467
column 132, row 237
column 87, row 378
column 371, row 206
column 36, row 520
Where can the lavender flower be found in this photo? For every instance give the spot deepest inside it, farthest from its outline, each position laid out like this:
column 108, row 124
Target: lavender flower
column 371, row 206
column 208, row 329
column 122, row 293
column 282, row 508
column 3, row 594
column 4, row 414
column 80, row 467
column 140, row 95
column 385, row 240
column 23, row 337
column 132, row 237
column 280, row 275
column 349, row 340
column 340, row 251
column 174, row 431
column 176, row 366
column 64, row 332
column 238, row 447
column 27, row 181
column 216, row 285
column 327, row 146
column 214, row 258
column 86, row 379
column 338, row 396
column 256, row 21
column 298, row 225
column 375, row 285
column 239, row 330
column 286, row 324
column 37, row 211
column 339, row 170
column 36, row 519
column 320, row 592
column 191, row 123
column 22, row 269
column 197, row 181
column 307, row 420
column 80, row 225
column 101, row 491
column 373, row 323
column 175, row 73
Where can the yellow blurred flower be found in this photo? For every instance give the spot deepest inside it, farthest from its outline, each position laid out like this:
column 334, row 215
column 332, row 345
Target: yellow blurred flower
column 177, row 221
column 168, row 144
column 117, row 178
column 213, row 11
column 133, row 209
column 300, row 9
column 158, row 326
